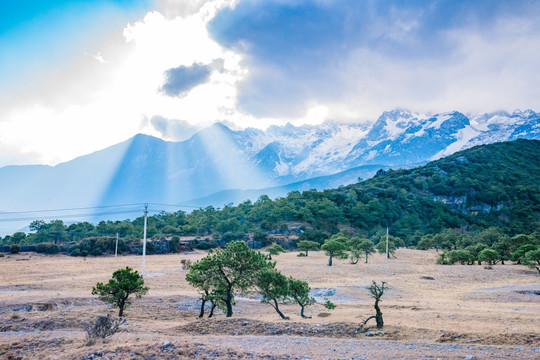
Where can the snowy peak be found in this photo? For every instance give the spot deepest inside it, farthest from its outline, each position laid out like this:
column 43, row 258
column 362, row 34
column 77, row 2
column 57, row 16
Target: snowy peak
column 398, row 137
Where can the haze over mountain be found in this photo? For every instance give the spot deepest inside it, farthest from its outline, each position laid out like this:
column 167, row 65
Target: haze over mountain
column 218, row 165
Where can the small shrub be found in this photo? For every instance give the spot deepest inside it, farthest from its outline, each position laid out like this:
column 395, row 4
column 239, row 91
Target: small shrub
column 96, row 252
column 186, row 263
column 15, row 248
column 101, row 328
column 205, row 244
column 1, row 254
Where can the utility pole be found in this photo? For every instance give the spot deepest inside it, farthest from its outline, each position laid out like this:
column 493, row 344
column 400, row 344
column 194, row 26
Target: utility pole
column 144, row 238
column 387, row 253
column 116, row 248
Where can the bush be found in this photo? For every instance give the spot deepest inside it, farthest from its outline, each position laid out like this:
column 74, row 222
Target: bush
column 186, row 263
column 174, row 244
column 96, row 252
column 14, row 249
column 205, row 244
column 48, row 248
column 101, row 328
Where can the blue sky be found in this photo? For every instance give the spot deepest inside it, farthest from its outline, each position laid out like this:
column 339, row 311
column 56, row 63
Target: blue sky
column 78, row 76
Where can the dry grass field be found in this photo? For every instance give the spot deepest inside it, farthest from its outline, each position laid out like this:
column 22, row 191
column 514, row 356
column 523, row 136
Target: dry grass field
column 430, row 311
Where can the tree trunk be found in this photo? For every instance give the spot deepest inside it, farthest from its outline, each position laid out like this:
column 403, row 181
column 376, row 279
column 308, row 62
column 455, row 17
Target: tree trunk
column 269, row 256
column 277, row 310
column 201, row 313
column 379, row 320
column 366, row 257
column 378, row 315
column 121, row 312
column 212, row 310
column 330, row 261
column 306, row 252
column 302, row 306
column 228, row 302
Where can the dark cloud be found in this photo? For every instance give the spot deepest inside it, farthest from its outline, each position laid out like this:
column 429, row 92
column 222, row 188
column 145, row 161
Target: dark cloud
column 299, row 51
column 180, row 80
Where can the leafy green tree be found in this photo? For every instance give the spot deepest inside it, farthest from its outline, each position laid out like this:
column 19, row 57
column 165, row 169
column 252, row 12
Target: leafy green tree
column 334, row 248
column 532, row 259
column 381, row 248
column 18, row 238
column 200, row 276
column 233, row 269
column 490, row 256
column 475, row 250
column 36, row 225
column 461, row 256
column 306, row 245
column 274, row 288
column 519, row 254
column 275, row 250
column 489, row 236
column 124, row 282
column 426, row 242
column 503, row 248
column 366, row 246
column 299, row 292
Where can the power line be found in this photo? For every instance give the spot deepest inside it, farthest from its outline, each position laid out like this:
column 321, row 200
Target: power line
column 48, row 217
column 68, row 209
column 176, row 205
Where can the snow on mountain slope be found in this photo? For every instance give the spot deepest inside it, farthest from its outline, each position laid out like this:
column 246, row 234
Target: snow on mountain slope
column 398, row 137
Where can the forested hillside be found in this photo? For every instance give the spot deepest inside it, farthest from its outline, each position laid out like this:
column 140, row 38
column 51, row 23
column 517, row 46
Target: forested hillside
column 489, row 186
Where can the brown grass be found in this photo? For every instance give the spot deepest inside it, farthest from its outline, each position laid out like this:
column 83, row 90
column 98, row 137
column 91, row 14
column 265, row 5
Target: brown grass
column 429, row 311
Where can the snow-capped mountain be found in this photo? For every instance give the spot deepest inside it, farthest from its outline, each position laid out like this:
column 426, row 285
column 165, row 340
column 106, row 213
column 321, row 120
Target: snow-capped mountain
column 397, row 138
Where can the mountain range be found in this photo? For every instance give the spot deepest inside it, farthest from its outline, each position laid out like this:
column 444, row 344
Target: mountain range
column 218, row 165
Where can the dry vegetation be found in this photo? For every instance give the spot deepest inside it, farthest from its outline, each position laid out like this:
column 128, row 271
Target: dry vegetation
column 430, row 311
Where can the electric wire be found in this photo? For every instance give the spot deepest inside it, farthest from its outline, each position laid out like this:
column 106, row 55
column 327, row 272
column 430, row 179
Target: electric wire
column 85, row 215
column 68, row 209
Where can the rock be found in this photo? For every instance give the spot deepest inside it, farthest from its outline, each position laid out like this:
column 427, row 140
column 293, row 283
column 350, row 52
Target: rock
column 166, row 344
column 321, row 292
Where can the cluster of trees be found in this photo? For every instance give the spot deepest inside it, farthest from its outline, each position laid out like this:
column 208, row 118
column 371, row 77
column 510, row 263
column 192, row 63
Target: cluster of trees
column 219, row 277
column 491, row 186
column 490, row 247
column 236, row 269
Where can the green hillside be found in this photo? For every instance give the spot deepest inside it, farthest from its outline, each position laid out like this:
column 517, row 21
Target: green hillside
column 486, row 186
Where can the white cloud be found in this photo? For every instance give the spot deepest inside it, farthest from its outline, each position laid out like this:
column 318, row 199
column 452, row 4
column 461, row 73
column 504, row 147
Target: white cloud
column 125, row 90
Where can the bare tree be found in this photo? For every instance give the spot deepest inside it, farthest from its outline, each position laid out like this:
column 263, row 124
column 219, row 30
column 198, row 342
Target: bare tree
column 376, row 293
